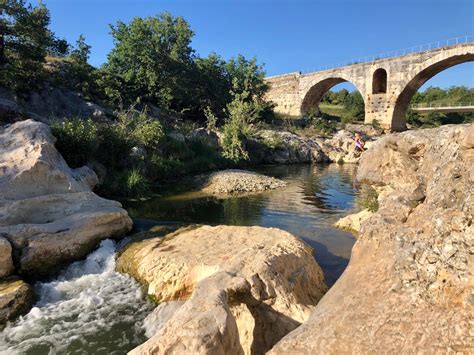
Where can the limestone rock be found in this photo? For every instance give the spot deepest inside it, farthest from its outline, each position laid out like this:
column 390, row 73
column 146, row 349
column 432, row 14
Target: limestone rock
column 47, row 211
column 249, row 283
column 289, row 148
column 354, row 221
column 51, row 230
column 16, row 298
column 6, row 261
column 409, row 284
column 31, row 166
column 235, row 182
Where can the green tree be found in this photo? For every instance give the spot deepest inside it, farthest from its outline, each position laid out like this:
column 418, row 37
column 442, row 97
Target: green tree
column 24, row 43
column 82, row 51
column 154, row 57
column 247, row 76
column 214, row 83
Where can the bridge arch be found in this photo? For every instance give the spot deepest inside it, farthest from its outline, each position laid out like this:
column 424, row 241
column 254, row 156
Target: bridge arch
column 428, row 70
column 316, row 90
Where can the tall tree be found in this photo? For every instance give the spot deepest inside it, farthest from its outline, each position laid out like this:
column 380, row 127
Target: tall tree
column 24, row 42
column 154, row 57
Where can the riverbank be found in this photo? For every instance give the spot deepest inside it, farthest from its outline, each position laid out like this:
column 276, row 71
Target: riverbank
column 408, row 286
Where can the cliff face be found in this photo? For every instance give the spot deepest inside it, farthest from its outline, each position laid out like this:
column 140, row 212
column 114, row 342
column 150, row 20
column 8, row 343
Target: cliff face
column 409, row 284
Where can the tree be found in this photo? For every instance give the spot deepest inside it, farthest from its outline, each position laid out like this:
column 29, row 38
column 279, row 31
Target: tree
column 82, row 51
column 214, row 84
column 24, row 42
column 247, row 76
column 154, row 57
column 59, row 47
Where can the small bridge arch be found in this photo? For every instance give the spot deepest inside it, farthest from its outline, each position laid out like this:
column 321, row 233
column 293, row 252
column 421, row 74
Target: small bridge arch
column 313, row 93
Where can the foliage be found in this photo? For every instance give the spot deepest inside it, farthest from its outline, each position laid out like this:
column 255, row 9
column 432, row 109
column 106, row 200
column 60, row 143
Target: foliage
column 82, row 51
column 273, row 142
column 437, row 96
column 24, row 43
column 376, row 124
column 241, row 113
column 76, row 140
column 368, row 198
column 211, row 119
column 136, row 183
column 154, row 57
column 325, row 127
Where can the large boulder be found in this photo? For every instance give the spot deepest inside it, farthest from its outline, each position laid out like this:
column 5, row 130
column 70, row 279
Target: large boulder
column 48, row 213
column 245, row 287
column 48, row 231
column 31, row 166
column 408, row 287
column 237, row 182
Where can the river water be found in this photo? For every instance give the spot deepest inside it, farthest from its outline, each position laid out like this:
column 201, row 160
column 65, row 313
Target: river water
column 91, row 309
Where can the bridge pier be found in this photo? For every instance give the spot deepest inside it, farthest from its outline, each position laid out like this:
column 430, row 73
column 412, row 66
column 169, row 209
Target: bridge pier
column 387, row 85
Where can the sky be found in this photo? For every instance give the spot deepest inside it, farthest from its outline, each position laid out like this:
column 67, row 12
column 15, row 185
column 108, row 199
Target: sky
column 285, row 35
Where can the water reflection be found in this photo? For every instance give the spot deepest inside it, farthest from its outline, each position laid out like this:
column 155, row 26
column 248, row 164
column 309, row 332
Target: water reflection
column 316, row 196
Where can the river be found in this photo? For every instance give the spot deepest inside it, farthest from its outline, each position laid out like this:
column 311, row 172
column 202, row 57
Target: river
column 91, row 309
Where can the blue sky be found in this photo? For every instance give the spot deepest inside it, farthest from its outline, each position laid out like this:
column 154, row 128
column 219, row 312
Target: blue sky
column 288, row 35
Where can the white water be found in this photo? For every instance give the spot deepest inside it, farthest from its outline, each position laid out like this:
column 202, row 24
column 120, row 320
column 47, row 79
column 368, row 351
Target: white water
column 88, row 309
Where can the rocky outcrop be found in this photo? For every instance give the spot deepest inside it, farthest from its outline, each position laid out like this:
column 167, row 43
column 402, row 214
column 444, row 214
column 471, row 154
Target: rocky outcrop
column 49, row 102
column 409, row 284
column 48, row 213
column 16, row 298
column 281, row 147
column 245, row 287
column 238, row 182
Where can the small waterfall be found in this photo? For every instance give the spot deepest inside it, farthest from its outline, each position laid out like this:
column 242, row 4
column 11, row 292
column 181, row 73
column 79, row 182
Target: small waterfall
column 88, row 308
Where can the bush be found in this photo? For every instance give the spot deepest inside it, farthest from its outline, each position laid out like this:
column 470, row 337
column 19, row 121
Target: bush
column 368, row 198
column 76, row 139
column 136, row 183
column 325, row 127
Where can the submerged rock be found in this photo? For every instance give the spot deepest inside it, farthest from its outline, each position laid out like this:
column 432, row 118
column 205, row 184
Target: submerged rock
column 16, row 298
column 408, row 286
column 47, row 211
column 244, row 287
column 235, row 182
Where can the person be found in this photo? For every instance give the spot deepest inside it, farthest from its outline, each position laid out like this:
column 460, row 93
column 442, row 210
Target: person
column 359, row 143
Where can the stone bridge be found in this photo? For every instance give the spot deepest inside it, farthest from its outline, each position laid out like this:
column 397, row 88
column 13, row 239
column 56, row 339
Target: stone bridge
column 387, row 85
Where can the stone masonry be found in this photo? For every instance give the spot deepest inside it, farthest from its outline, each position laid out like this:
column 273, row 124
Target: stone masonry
column 387, row 85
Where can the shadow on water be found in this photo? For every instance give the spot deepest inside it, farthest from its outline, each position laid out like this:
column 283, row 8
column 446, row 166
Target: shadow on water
column 315, row 198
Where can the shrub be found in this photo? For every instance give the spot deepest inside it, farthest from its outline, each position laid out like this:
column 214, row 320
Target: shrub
column 136, row 183
column 325, row 127
column 211, row 119
column 273, row 142
column 376, row 124
column 76, row 139
column 368, row 198
column 241, row 113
